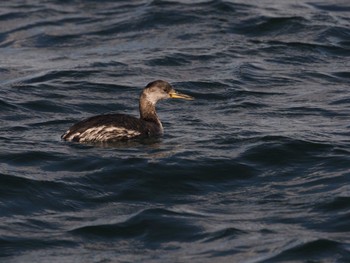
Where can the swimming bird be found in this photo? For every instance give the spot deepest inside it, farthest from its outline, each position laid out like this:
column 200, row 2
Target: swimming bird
column 116, row 127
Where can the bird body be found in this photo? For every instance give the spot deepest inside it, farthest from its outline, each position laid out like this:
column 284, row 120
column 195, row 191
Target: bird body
column 116, row 127
column 111, row 127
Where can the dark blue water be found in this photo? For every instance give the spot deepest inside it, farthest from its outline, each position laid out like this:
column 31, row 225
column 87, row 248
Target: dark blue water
column 256, row 169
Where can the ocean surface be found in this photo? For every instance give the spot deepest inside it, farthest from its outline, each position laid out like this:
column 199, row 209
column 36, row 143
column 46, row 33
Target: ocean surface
column 255, row 169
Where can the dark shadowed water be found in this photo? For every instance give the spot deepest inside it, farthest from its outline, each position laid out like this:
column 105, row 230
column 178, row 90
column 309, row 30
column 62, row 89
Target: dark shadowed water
column 256, row 169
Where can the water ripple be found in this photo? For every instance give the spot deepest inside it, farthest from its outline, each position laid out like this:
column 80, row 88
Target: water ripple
column 255, row 169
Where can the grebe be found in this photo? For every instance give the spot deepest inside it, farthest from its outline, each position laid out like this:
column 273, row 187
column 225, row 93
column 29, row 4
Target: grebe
column 116, row 127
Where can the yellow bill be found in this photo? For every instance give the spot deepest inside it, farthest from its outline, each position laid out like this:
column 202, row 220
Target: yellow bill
column 177, row 95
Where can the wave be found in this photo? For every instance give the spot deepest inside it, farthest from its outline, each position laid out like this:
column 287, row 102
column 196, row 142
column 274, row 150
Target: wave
column 157, row 225
column 313, row 250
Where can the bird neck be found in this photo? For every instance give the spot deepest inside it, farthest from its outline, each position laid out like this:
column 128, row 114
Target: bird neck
column 148, row 111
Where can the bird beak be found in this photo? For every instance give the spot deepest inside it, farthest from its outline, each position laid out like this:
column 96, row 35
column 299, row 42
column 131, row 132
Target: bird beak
column 176, row 95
